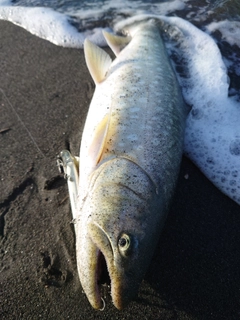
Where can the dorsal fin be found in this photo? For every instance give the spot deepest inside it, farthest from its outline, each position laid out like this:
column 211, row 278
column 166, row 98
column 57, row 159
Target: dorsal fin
column 98, row 61
column 116, row 43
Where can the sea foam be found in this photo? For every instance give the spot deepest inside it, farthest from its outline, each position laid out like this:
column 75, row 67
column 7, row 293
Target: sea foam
column 57, row 28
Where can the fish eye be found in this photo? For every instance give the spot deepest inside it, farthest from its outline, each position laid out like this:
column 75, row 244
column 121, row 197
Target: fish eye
column 124, row 242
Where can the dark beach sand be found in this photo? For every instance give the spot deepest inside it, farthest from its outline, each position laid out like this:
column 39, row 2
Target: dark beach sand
column 195, row 273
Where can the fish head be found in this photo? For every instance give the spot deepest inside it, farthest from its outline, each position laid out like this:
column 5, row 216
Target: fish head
column 121, row 229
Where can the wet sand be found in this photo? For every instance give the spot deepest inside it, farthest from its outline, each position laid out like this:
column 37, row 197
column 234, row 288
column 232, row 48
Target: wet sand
column 45, row 91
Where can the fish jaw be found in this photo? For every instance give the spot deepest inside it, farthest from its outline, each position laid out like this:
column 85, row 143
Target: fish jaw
column 89, row 275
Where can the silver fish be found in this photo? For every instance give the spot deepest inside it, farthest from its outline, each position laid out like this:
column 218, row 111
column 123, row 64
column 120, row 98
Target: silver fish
column 130, row 155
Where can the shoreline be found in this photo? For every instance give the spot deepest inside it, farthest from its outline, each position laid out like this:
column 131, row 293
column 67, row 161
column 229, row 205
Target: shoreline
column 45, row 94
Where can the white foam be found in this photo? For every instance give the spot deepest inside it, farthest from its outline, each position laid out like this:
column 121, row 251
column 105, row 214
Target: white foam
column 205, row 63
column 44, row 23
column 228, row 29
column 128, row 7
column 55, row 27
column 212, row 138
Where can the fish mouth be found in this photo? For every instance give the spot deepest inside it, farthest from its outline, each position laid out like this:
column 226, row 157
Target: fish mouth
column 103, row 277
column 107, row 270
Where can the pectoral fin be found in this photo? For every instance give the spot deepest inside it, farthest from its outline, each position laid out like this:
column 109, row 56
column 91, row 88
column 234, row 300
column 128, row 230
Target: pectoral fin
column 98, row 61
column 116, row 43
column 97, row 146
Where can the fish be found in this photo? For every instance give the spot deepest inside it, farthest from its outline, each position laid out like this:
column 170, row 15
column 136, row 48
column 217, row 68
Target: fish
column 122, row 184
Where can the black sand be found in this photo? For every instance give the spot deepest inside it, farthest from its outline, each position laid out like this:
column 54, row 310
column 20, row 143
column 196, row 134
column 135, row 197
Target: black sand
column 195, row 273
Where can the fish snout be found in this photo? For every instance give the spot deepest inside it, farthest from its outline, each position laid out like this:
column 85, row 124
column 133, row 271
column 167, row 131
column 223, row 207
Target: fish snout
column 111, row 267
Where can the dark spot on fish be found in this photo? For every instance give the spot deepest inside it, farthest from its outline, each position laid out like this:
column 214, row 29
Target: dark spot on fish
column 223, row 179
column 234, row 173
column 226, row 172
column 235, row 147
column 196, row 113
column 232, row 182
column 210, row 160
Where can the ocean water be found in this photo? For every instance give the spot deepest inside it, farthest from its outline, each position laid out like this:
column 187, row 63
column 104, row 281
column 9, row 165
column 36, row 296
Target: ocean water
column 203, row 42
